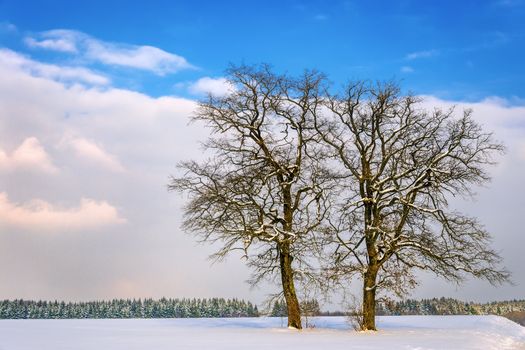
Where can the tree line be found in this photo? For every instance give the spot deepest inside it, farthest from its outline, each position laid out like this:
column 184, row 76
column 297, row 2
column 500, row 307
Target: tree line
column 127, row 308
column 219, row 307
column 321, row 186
column 449, row 306
column 433, row 306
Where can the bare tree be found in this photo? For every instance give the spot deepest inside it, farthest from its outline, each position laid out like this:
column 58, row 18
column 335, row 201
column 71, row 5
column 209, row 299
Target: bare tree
column 263, row 189
column 399, row 165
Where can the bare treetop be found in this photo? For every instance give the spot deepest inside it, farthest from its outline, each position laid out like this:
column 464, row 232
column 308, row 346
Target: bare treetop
column 400, row 163
column 264, row 189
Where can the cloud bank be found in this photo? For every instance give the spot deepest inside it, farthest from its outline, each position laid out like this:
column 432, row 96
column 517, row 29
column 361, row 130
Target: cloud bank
column 106, row 154
column 113, row 150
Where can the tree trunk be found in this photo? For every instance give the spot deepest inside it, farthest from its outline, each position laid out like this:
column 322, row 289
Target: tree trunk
column 369, row 299
column 294, row 312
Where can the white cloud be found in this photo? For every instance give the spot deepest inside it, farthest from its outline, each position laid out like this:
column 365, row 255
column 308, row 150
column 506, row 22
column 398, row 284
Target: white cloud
column 40, row 215
column 214, row 86
column 422, row 54
column 61, row 44
column 496, row 113
column 38, row 106
column 91, row 151
column 407, row 69
column 506, row 121
column 522, row 151
column 117, row 54
column 15, row 60
column 140, row 57
column 29, row 155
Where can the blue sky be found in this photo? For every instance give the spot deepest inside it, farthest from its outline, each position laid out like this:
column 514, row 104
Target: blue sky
column 463, row 50
column 95, row 99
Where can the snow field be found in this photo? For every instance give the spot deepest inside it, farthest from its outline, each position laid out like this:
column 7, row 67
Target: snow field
column 330, row 333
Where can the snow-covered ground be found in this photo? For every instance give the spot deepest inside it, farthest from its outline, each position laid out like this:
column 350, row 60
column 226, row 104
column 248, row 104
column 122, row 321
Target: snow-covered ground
column 330, row 333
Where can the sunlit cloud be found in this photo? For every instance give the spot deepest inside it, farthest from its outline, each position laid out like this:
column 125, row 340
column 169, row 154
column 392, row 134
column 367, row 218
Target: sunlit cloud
column 40, row 215
column 93, row 152
column 30, row 155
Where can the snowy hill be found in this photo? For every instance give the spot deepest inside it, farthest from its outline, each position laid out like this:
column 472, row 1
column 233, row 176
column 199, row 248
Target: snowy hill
column 396, row 332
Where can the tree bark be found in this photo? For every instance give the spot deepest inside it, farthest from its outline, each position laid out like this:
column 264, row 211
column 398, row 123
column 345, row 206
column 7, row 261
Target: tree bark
column 292, row 303
column 369, row 299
